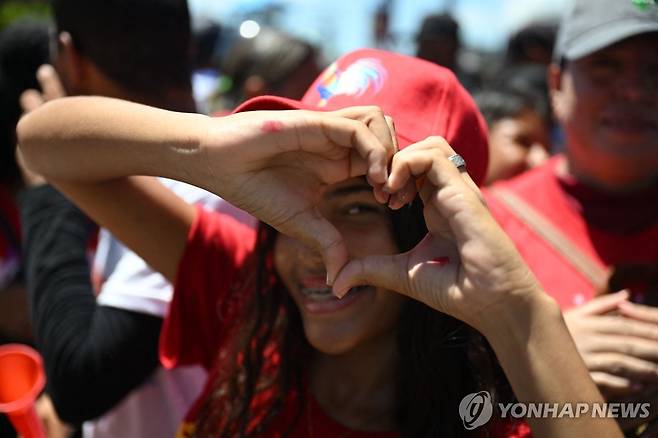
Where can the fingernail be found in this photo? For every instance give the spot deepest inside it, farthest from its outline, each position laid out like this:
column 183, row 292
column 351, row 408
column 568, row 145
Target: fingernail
column 439, row 261
column 329, row 280
column 339, row 295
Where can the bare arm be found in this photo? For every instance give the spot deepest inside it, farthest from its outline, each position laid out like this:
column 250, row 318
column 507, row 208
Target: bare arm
column 91, row 148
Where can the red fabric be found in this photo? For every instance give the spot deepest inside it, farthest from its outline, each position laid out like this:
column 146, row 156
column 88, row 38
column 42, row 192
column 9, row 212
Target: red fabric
column 563, row 205
column 203, row 309
column 423, row 98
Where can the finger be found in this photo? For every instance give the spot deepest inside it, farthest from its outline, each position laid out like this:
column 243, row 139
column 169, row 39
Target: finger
column 638, row 312
column 347, row 133
column 379, row 271
column 603, row 304
column 50, row 83
column 619, row 325
column 391, row 129
column 430, row 158
column 404, row 196
column 380, row 126
column 623, row 366
column 380, row 193
column 612, row 386
column 628, row 346
column 453, row 197
column 30, row 100
column 412, row 161
column 377, row 189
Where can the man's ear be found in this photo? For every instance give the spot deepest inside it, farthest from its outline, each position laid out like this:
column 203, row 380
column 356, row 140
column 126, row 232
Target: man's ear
column 554, row 79
column 70, row 64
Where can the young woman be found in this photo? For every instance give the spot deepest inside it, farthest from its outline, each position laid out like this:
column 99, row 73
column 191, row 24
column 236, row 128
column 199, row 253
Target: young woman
column 392, row 357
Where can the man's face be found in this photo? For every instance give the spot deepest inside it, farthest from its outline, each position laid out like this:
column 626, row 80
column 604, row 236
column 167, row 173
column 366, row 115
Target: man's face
column 607, row 103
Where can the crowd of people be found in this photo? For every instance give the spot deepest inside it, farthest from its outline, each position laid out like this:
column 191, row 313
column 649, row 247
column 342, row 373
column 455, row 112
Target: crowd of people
column 340, row 251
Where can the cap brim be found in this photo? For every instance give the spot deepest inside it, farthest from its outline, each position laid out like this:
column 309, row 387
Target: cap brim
column 273, row 103
column 276, row 103
column 606, row 36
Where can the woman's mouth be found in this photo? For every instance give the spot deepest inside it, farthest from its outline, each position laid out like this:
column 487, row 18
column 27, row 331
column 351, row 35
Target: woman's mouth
column 320, row 299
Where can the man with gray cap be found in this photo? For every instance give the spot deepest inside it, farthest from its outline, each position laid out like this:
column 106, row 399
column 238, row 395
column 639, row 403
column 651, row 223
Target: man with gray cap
column 587, row 221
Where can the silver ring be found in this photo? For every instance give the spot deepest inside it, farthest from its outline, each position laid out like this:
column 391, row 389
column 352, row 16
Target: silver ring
column 458, row 161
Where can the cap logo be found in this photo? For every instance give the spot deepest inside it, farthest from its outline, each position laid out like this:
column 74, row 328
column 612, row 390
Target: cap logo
column 643, row 5
column 354, row 80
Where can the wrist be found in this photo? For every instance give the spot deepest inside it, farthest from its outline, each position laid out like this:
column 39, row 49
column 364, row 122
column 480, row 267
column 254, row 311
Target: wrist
column 512, row 322
column 186, row 151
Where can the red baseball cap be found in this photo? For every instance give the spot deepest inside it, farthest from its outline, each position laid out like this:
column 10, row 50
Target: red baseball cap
column 423, row 98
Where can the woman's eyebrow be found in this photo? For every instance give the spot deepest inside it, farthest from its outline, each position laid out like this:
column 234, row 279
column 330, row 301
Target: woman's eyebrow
column 348, row 190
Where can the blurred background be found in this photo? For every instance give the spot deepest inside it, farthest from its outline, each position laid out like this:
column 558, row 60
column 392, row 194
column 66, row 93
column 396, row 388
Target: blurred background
column 338, row 26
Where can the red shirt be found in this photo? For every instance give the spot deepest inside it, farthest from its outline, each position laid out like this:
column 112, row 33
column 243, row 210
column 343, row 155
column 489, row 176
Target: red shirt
column 565, row 205
column 203, row 310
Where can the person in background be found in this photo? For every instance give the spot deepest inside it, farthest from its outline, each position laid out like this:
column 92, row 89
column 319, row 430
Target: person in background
column 532, row 44
column 518, row 136
column 272, row 62
column 208, row 36
column 438, row 42
column 586, row 222
column 100, row 352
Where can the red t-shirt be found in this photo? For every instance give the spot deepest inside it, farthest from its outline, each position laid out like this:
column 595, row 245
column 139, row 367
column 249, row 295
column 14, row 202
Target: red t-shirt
column 553, row 197
column 203, row 309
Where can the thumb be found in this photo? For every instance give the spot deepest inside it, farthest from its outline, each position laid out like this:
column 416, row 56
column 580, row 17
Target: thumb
column 385, row 271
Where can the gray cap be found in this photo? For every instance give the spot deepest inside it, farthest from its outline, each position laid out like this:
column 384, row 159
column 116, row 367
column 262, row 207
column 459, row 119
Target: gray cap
column 592, row 25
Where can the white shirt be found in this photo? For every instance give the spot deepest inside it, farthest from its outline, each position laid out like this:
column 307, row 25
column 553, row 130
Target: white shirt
column 157, row 407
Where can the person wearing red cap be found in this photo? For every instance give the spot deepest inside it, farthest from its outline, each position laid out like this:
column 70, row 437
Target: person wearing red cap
column 260, row 309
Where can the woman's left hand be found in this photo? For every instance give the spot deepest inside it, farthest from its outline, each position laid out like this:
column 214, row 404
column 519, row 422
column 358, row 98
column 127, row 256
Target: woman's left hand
column 466, row 266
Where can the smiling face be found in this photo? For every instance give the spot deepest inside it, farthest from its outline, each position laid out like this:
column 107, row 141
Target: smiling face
column 607, row 103
column 336, row 326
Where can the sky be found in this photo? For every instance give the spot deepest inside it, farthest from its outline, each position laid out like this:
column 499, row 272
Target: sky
column 343, row 25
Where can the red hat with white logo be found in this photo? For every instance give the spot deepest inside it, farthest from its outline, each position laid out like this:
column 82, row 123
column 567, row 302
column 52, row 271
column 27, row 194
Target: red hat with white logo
column 423, row 98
